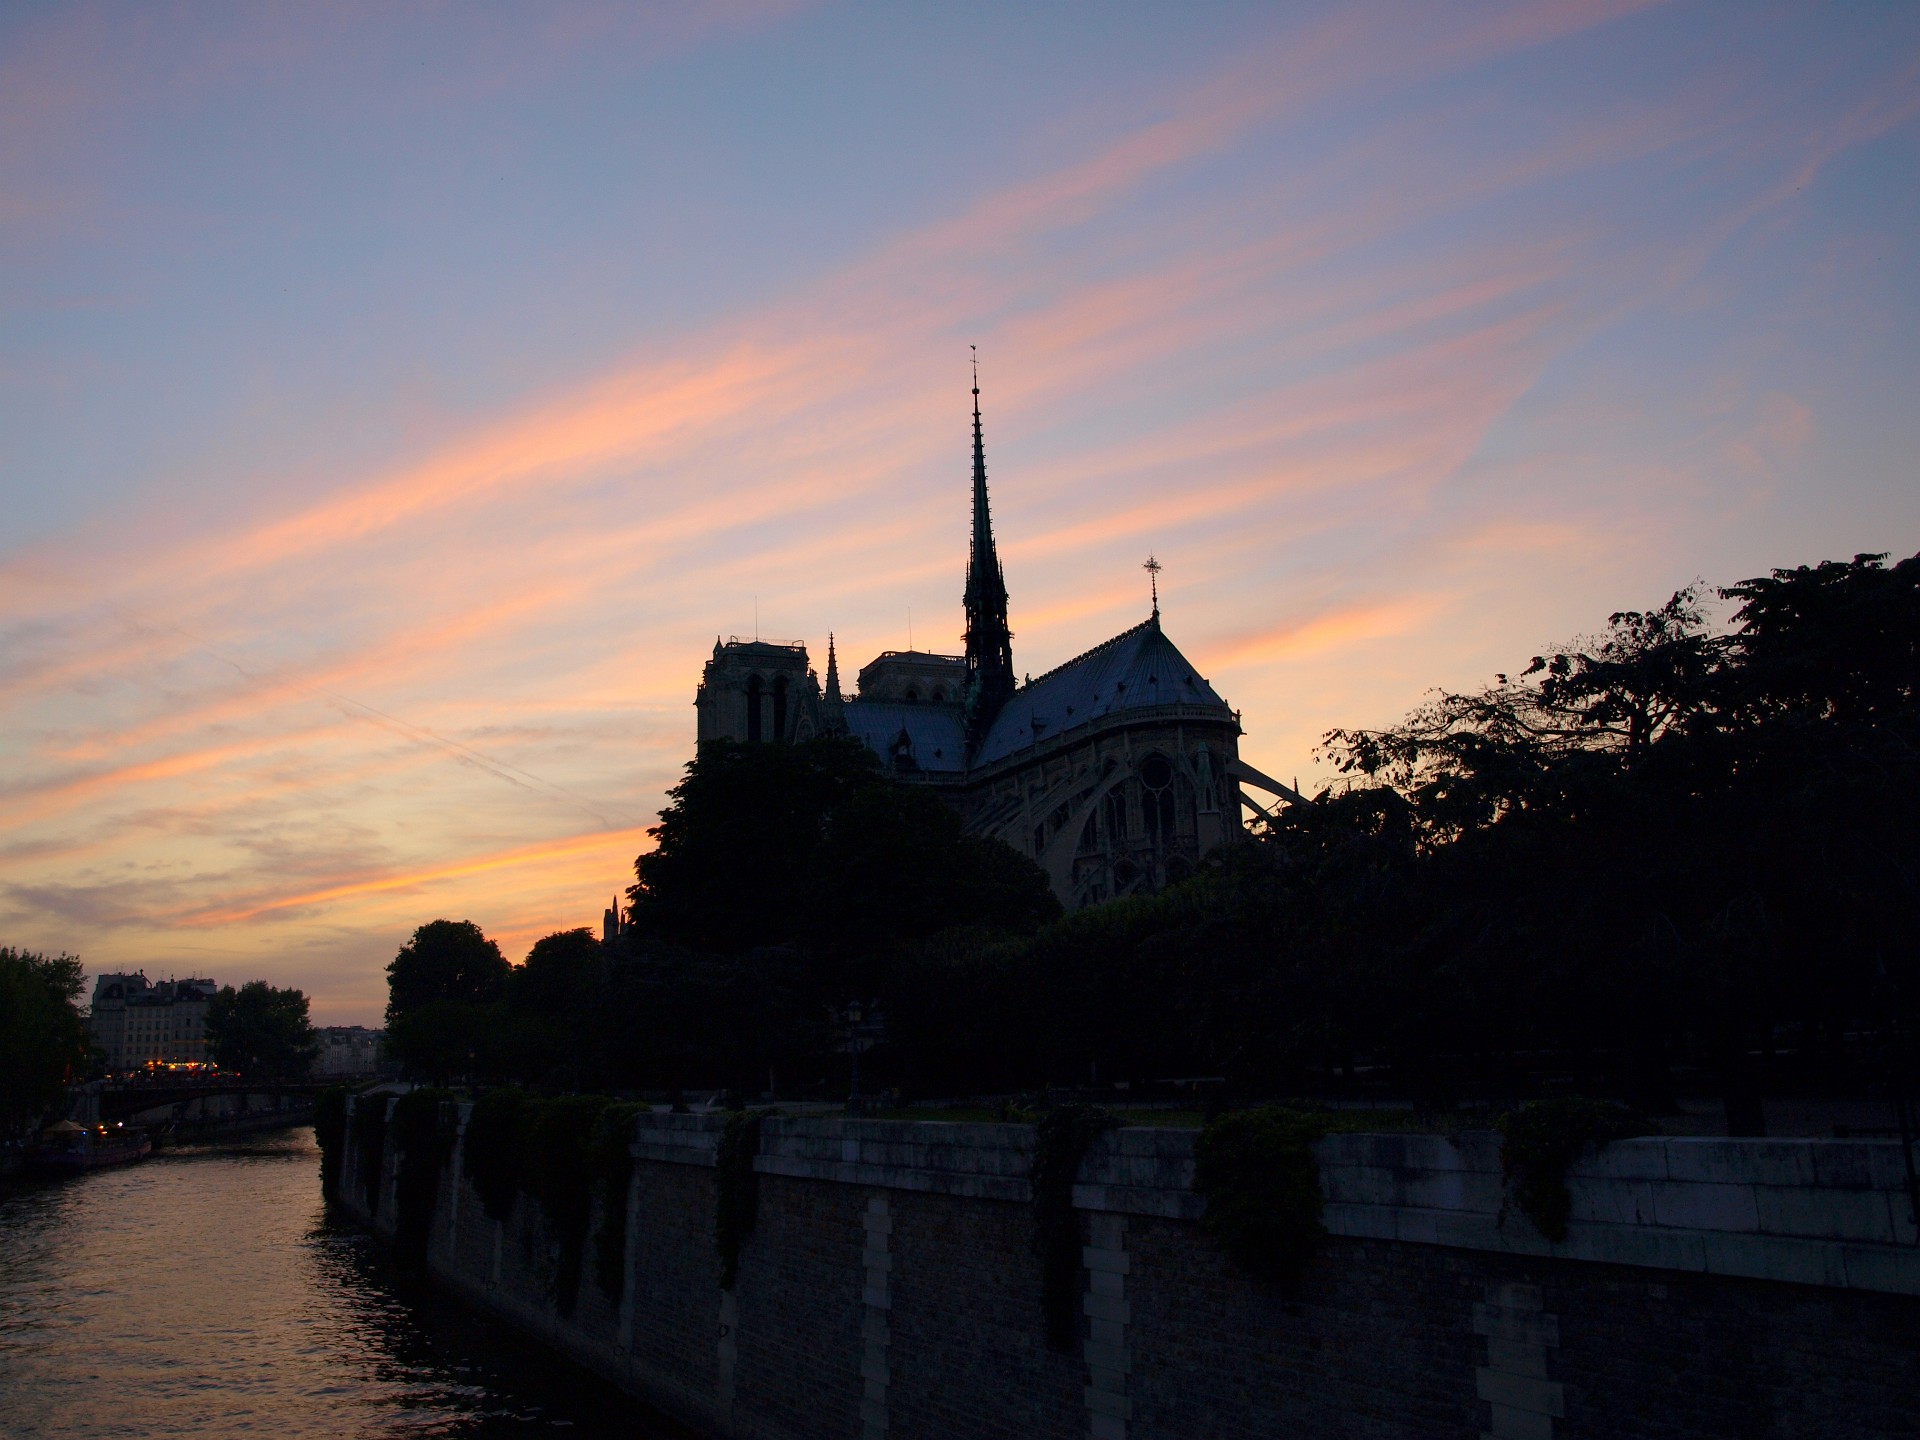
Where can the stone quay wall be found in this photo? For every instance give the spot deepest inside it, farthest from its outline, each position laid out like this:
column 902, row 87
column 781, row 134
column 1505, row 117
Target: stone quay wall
column 1706, row 1288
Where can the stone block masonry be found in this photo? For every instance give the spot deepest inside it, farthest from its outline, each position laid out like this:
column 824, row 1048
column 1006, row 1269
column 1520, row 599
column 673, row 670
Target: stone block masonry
column 1706, row 1288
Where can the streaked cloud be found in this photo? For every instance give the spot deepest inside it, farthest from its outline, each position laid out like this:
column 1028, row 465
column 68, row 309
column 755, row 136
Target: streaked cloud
column 1364, row 321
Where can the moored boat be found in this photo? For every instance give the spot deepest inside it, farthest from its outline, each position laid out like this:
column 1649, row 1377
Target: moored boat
column 66, row 1147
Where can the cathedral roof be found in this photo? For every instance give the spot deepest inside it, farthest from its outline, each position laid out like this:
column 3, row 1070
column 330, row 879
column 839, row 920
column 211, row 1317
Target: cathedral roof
column 1135, row 670
column 936, row 734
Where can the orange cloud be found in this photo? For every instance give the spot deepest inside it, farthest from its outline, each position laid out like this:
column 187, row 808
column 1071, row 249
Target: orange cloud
column 1377, row 620
column 600, row 845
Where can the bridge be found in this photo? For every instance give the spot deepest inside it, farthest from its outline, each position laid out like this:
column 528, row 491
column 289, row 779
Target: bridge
column 171, row 1102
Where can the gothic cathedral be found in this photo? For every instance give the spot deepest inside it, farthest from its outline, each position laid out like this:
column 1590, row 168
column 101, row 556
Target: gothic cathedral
column 1116, row 771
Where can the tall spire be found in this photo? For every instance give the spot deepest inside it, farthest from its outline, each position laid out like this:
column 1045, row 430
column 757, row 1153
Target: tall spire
column 833, row 673
column 989, row 640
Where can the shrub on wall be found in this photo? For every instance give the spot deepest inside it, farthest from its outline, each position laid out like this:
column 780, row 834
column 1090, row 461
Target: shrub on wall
column 1256, row 1171
column 1061, row 1140
column 422, row 1129
column 330, row 1132
column 495, row 1142
column 370, row 1145
column 560, row 1176
column 1541, row 1139
column 738, row 1203
column 564, row 1151
column 611, row 1159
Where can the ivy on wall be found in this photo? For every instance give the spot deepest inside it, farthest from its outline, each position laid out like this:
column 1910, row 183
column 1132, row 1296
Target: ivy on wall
column 550, row 1149
column 492, row 1155
column 1541, row 1139
column 561, row 1178
column 421, row 1127
column 1256, row 1171
column 1061, row 1140
column 737, row 1205
column 330, row 1132
column 370, row 1145
column 611, row 1160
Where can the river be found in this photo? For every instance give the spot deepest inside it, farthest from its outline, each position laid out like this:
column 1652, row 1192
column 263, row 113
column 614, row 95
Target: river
column 203, row 1292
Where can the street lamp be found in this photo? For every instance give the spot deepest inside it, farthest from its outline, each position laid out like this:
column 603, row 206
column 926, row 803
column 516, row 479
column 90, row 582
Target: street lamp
column 864, row 1026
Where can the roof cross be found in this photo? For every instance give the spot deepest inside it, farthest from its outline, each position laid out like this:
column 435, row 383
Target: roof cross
column 1153, row 568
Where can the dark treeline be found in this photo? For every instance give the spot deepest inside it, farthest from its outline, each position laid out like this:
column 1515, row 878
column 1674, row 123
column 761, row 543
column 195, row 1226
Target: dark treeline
column 1671, row 847
column 784, row 882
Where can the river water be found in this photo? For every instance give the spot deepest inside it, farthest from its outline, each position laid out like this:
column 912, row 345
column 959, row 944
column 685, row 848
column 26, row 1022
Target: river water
column 203, row 1293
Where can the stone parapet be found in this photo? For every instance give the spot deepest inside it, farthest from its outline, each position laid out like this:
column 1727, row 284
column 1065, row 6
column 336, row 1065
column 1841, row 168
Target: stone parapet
column 1818, row 1212
column 1814, row 1212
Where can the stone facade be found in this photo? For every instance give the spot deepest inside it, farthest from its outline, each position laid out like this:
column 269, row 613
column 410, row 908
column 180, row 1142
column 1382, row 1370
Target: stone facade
column 138, row 1022
column 348, row 1050
column 758, row 690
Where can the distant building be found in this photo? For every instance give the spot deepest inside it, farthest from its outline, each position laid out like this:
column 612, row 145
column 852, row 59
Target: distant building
column 1116, row 772
column 347, row 1050
column 137, row 1021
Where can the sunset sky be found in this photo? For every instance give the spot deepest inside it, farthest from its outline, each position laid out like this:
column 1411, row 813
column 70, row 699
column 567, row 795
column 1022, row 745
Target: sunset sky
column 396, row 402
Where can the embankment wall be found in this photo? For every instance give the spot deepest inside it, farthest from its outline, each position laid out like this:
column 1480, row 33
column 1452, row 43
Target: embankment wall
column 1706, row 1288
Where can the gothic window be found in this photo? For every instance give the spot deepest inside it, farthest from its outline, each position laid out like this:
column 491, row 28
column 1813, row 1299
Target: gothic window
column 1203, row 774
column 912, row 697
column 1116, row 813
column 753, row 708
column 1090, row 836
column 1156, row 803
column 1039, row 838
column 938, row 697
column 780, row 708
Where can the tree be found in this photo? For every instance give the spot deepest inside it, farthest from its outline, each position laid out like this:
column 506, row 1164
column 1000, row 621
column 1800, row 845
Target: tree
column 260, row 1032
column 43, row 1041
column 736, row 842
column 446, row 960
column 1575, row 719
column 784, row 882
column 810, row 844
column 1839, row 640
column 543, row 1031
column 561, row 976
column 444, row 1038
column 1670, row 836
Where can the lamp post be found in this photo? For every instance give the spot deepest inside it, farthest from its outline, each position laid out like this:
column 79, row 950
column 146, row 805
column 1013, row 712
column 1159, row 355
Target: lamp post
column 864, row 1025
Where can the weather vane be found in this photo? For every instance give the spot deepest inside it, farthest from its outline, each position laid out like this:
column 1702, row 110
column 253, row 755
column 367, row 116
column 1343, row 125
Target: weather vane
column 976, row 368
column 1153, row 568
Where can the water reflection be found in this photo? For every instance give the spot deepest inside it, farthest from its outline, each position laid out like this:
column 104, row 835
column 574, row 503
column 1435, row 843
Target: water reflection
column 203, row 1293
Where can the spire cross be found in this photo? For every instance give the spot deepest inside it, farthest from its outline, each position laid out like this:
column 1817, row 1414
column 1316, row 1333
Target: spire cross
column 1153, row 568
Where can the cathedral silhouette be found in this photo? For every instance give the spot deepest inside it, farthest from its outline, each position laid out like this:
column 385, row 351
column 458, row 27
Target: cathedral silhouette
column 1116, row 771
